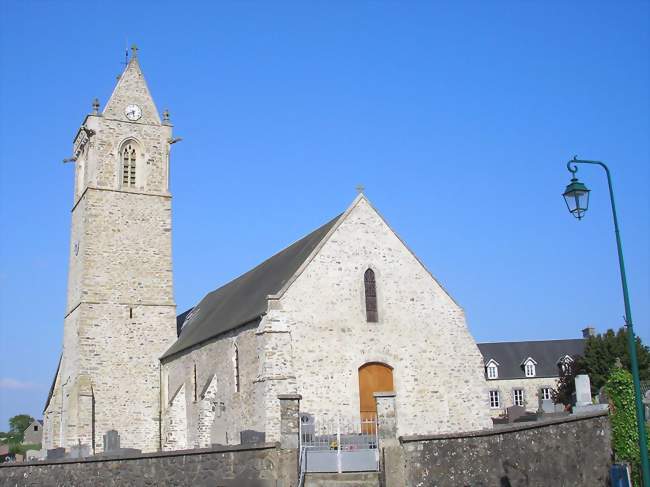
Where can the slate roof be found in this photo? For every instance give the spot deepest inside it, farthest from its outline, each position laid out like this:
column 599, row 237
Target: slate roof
column 244, row 299
column 510, row 356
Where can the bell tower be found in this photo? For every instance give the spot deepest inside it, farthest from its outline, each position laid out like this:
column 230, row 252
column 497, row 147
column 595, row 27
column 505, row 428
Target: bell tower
column 120, row 315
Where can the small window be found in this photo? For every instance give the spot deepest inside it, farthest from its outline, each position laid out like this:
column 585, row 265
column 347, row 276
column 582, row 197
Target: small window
column 546, row 393
column 518, row 397
column 495, row 400
column 35, row 428
column 195, row 383
column 236, row 367
column 371, row 296
column 492, row 371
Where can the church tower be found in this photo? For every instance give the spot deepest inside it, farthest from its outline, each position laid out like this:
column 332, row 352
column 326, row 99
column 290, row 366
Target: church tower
column 120, row 315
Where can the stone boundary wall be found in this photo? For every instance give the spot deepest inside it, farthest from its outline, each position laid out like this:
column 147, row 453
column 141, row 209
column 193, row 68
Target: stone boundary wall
column 265, row 465
column 570, row 451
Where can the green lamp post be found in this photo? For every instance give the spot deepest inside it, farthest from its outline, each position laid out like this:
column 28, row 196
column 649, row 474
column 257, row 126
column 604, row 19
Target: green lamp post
column 576, row 196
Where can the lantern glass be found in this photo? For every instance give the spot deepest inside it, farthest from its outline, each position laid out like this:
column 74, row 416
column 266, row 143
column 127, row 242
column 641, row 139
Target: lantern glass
column 576, row 197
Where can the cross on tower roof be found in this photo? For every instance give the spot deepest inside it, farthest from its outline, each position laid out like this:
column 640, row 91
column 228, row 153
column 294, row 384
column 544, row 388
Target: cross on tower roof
column 360, row 188
column 134, row 51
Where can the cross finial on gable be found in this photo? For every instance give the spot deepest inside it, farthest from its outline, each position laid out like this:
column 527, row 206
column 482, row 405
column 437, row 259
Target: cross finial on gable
column 134, row 51
column 360, row 188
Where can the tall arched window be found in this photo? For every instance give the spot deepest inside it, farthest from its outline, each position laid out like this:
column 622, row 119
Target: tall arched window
column 371, row 296
column 129, row 156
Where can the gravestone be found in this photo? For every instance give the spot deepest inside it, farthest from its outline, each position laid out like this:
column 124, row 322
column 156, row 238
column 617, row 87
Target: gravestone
column 111, row 441
column 112, row 445
column 583, row 397
column 603, row 398
column 546, row 406
column 252, row 437
column 514, row 412
column 33, row 455
column 583, row 390
column 79, row 451
column 55, row 453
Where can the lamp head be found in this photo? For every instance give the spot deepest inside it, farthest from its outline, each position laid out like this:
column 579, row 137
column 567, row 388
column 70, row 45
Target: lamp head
column 576, row 196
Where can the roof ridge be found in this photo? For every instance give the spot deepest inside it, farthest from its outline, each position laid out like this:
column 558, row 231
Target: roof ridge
column 532, row 341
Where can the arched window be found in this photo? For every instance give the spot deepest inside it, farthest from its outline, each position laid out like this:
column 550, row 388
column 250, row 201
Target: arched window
column 371, row 296
column 129, row 156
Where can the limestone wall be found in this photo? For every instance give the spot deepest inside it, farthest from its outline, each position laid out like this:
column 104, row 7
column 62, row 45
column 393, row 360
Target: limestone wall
column 126, row 248
column 217, row 406
column 437, row 367
column 120, row 319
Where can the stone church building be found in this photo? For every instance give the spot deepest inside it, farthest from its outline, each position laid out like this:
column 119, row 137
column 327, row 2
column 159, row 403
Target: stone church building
column 340, row 314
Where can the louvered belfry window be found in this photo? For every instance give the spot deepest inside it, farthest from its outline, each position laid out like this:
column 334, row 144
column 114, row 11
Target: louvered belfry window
column 371, row 296
column 128, row 165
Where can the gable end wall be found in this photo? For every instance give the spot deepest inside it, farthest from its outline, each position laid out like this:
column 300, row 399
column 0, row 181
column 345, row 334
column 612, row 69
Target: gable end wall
column 438, row 369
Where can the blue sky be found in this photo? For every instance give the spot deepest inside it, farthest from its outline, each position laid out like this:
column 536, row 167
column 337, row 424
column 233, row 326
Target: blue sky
column 458, row 117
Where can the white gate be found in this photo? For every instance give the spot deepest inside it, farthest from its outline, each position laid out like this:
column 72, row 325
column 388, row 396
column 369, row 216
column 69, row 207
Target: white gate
column 338, row 445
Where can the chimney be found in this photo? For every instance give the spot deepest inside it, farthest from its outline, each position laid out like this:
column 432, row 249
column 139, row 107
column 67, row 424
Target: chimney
column 588, row 332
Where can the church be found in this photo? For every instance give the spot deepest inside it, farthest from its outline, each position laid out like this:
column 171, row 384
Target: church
column 341, row 314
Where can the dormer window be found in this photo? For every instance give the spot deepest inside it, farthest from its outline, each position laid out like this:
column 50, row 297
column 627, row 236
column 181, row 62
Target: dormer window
column 492, row 368
column 529, row 367
column 564, row 364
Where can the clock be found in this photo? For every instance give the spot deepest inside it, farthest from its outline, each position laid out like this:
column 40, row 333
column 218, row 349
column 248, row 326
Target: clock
column 133, row 112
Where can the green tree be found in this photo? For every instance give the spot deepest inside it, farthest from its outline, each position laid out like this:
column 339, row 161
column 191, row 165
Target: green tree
column 599, row 361
column 18, row 424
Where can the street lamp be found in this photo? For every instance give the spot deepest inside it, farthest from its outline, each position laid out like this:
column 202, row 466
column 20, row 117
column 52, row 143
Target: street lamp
column 576, row 196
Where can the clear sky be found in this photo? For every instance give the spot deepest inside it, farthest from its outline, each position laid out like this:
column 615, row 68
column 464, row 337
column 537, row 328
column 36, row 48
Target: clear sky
column 458, row 117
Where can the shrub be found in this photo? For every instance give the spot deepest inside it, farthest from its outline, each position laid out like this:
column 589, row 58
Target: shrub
column 625, row 437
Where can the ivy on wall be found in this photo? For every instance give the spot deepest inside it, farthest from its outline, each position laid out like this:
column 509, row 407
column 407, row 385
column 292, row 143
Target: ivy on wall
column 625, row 437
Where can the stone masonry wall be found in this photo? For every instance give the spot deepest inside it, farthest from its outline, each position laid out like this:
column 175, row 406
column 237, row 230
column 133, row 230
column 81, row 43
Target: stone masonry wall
column 121, row 315
column 531, row 387
column 572, row 452
column 234, row 411
column 174, row 422
column 438, row 370
column 259, row 466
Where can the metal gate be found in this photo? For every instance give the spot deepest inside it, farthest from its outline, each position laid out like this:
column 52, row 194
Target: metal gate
column 337, row 445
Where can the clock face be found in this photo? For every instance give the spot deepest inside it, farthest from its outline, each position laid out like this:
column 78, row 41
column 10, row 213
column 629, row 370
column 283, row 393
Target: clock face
column 132, row 112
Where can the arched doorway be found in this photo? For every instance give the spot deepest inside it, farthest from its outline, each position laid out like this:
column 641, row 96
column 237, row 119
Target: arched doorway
column 373, row 377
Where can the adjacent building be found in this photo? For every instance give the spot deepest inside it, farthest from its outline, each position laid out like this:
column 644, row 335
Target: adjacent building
column 525, row 373
column 33, row 434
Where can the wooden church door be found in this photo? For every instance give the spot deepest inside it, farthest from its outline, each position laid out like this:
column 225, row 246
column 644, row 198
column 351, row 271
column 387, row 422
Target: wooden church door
column 373, row 378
